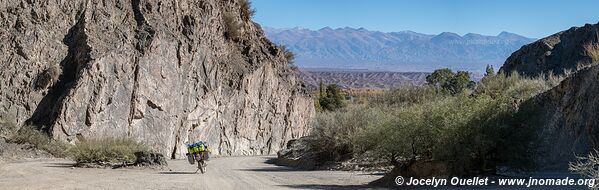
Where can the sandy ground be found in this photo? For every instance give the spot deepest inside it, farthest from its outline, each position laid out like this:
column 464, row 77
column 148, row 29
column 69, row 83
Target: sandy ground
column 222, row 173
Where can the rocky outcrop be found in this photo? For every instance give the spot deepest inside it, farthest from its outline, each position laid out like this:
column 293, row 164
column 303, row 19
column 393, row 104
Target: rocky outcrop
column 567, row 117
column 162, row 72
column 299, row 154
column 556, row 53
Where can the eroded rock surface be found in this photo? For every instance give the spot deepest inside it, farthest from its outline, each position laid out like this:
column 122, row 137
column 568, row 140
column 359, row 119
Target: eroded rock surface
column 556, row 53
column 568, row 118
column 566, row 115
column 162, row 72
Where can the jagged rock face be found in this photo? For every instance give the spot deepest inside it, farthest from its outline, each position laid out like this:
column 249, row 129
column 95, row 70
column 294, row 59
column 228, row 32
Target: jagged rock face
column 556, row 53
column 568, row 117
column 162, row 72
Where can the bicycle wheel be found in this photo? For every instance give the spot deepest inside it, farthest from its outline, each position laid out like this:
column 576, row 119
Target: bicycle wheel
column 201, row 166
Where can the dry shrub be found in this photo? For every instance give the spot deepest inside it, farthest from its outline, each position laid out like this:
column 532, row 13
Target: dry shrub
column 106, row 151
column 41, row 140
column 232, row 26
column 289, row 55
column 587, row 166
column 47, row 77
column 247, row 12
column 593, row 51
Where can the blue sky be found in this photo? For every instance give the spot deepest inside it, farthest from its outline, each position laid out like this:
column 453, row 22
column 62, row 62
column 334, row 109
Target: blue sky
column 531, row 18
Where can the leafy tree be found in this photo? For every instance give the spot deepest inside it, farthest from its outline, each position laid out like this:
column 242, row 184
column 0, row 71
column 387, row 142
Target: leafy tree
column 331, row 98
column 457, row 83
column 489, row 71
column 439, row 77
column 321, row 90
column 448, row 81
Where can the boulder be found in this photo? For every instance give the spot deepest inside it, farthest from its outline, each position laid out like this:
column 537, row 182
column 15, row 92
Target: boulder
column 149, row 159
column 298, row 154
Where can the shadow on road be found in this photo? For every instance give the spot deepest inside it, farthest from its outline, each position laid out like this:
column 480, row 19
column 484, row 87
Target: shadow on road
column 178, row 173
column 271, row 169
column 315, row 186
column 60, row 165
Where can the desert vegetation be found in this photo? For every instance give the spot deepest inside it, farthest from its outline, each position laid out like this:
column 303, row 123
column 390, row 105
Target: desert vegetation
column 40, row 140
column 470, row 128
column 98, row 151
column 47, row 77
column 593, row 51
column 289, row 55
column 106, row 151
column 247, row 12
column 451, row 82
column 232, row 26
column 587, row 166
column 330, row 98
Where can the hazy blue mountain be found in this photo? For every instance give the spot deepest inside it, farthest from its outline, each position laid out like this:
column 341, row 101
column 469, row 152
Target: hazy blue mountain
column 351, row 48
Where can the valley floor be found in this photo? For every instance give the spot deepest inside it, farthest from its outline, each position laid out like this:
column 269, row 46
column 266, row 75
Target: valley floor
column 222, row 173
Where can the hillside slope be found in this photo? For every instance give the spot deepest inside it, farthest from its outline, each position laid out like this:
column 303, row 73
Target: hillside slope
column 361, row 79
column 162, row 72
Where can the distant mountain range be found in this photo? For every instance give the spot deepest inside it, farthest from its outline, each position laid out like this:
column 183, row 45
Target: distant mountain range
column 361, row 78
column 350, row 48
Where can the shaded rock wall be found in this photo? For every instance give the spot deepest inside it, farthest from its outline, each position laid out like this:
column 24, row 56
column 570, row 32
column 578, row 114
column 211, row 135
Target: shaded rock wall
column 162, row 72
column 566, row 115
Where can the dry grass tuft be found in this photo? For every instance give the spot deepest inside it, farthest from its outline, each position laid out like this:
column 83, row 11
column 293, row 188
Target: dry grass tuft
column 106, row 151
column 232, row 26
column 41, row 140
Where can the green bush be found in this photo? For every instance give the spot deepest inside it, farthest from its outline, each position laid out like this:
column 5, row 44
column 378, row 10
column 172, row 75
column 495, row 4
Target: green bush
column 466, row 133
column 406, row 95
column 334, row 131
column 515, row 86
column 330, row 98
column 41, row 140
column 107, row 150
column 449, row 82
column 469, row 133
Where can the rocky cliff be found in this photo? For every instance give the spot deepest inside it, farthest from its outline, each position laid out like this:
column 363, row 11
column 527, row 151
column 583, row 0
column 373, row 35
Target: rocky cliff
column 566, row 50
column 162, row 72
column 566, row 115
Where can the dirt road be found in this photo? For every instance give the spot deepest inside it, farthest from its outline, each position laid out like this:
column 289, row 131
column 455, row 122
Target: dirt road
column 222, row 173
